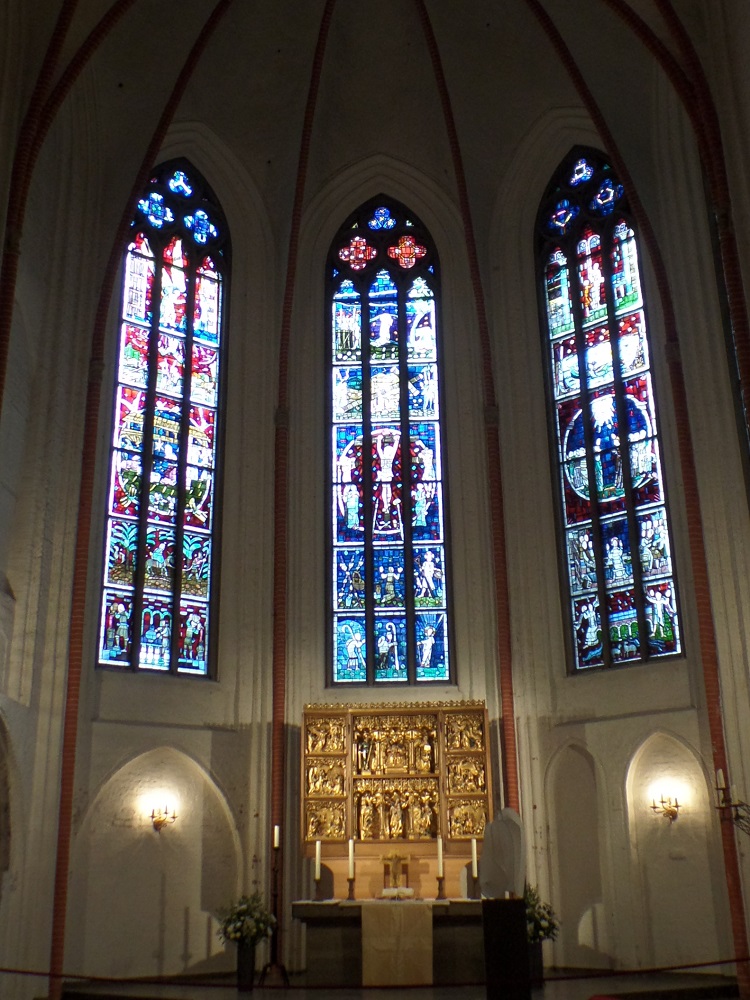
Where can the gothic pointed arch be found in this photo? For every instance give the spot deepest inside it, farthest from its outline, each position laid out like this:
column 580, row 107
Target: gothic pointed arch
column 619, row 586
column 387, row 529
column 159, row 596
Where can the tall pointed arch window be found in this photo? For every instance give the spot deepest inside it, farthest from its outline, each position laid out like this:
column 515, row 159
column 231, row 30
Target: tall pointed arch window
column 388, row 582
column 159, row 588
column 617, row 553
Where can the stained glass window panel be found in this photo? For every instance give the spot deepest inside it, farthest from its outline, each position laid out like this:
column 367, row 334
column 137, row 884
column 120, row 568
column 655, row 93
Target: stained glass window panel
column 616, row 541
column 160, row 558
column 388, row 563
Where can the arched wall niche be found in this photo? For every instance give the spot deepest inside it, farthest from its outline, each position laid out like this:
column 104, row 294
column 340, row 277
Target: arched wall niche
column 577, row 863
column 193, row 867
column 683, row 899
column 475, row 653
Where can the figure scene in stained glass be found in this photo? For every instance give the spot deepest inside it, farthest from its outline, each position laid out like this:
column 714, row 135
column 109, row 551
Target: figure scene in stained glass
column 623, row 603
column 160, row 429
column 388, row 555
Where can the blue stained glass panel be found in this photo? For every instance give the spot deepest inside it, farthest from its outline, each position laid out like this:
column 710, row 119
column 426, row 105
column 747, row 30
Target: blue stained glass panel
column 653, row 542
column 562, row 217
column 201, row 227
column 633, row 344
column 663, row 623
column 179, row 184
column 385, row 392
column 116, row 636
column 421, row 343
column 588, row 632
column 432, row 646
column 429, row 577
column 196, row 567
column 167, row 419
column 382, row 219
column 424, row 452
column 581, row 560
column 618, row 561
column 626, row 281
column 599, row 364
column 156, row 210
column 387, row 478
column 347, row 393
column 582, row 172
column 565, row 367
column 427, row 512
column 605, row 199
column 390, row 647
column 388, row 564
column 558, row 294
column 122, row 549
column 156, row 632
column 350, row 648
column 591, row 278
column 384, row 330
column 350, row 578
column 347, row 326
column 423, row 391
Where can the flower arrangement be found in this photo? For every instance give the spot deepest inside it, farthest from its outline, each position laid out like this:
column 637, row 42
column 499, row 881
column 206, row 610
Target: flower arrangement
column 247, row 921
column 541, row 922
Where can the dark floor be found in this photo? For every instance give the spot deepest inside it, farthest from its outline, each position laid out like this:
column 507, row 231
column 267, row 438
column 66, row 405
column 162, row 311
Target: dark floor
column 665, row 986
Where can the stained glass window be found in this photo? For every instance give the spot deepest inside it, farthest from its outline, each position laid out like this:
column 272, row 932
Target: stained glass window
column 160, row 558
column 389, row 584
column 620, row 591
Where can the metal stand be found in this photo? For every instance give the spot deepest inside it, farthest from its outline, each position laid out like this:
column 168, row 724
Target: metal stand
column 351, row 888
column 274, row 968
column 441, row 887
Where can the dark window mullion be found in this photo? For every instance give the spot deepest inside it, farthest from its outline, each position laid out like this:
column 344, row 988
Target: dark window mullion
column 627, row 473
column 367, row 487
column 588, row 436
column 406, row 505
column 182, row 462
column 147, row 459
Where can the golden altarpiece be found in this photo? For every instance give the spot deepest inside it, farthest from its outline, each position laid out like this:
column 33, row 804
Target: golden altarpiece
column 408, row 784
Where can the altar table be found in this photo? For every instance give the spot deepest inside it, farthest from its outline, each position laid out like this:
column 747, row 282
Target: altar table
column 388, row 943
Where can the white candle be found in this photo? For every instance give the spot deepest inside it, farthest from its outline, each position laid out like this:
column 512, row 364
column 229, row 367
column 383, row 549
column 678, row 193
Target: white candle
column 720, row 783
column 277, row 837
column 474, row 868
column 440, row 857
column 317, row 861
column 351, row 858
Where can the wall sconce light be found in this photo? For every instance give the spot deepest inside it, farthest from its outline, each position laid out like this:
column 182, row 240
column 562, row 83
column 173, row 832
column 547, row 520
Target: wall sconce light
column 669, row 808
column 162, row 817
column 730, row 807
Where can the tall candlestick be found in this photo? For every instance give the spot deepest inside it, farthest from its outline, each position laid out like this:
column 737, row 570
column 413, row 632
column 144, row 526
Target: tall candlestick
column 276, row 837
column 440, row 857
column 351, row 858
column 317, row 860
column 474, row 867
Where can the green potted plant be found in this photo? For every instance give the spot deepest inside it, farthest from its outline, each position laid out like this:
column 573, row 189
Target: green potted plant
column 541, row 925
column 246, row 922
